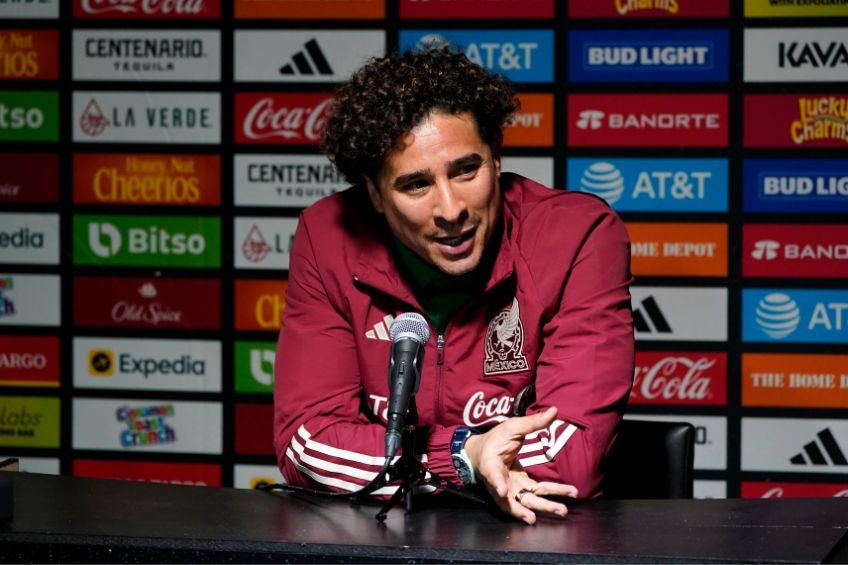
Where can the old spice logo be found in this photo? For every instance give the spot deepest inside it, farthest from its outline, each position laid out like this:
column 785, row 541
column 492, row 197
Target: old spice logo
column 254, row 247
column 674, row 378
column 265, row 120
column 480, row 411
column 505, row 343
column 92, row 121
column 152, row 313
column 150, row 7
column 820, row 118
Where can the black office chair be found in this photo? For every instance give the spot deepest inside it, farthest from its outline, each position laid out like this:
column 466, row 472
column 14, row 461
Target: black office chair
column 651, row 459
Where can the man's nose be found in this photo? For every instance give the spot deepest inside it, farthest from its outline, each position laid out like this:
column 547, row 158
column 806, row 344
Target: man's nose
column 450, row 206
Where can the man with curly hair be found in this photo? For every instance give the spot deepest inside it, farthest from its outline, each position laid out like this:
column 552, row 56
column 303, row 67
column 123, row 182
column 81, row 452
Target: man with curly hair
column 525, row 289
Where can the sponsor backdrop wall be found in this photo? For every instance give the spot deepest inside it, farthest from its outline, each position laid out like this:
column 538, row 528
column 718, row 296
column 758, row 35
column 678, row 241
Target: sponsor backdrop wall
column 154, row 156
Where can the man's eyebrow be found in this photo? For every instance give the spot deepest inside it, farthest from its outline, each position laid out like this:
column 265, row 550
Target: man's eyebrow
column 403, row 180
column 470, row 159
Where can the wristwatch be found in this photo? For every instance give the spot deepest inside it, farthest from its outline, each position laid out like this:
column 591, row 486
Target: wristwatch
column 459, row 456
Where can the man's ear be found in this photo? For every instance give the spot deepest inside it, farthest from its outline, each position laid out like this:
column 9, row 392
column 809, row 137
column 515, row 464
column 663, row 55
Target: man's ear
column 497, row 167
column 374, row 194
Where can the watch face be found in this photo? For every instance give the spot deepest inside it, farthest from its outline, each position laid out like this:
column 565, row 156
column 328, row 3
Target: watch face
column 462, row 470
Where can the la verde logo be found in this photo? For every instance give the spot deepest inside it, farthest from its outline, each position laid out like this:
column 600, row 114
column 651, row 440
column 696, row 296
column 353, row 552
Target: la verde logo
column 152, row 241
column 29, row 116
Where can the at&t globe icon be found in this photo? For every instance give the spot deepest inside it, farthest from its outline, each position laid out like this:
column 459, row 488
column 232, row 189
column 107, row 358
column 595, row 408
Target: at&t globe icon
column 778, row 315
column 603, row 179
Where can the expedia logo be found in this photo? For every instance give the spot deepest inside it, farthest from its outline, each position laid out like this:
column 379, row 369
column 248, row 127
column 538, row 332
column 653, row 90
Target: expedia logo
column 796, row 54
column 147, row 366
column 101, row 363
column 23, row 238
column 778, row 315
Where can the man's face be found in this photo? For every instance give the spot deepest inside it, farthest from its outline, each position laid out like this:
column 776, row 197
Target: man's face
column 439, row 192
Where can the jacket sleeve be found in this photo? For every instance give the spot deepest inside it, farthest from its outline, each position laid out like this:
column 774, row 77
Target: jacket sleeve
column 586, row 364
column 322, row 438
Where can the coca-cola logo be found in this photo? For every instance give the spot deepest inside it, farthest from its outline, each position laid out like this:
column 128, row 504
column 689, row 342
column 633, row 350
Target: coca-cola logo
column 266, row 120
column 480, row 411
column 148, row 7
column 153, row 313
column 673, row 378
column 778, row 492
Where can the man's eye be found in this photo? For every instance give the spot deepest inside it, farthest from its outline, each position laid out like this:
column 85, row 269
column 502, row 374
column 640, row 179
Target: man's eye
column 416, row 186
column 471, row 168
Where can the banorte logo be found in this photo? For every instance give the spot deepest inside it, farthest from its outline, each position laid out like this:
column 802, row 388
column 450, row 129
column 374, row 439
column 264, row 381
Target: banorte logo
column 146, row 425
column 284, row 119
column 148, row 8
column 820, row 118
column 765, row 250
column 778, row 315
column 603, row 179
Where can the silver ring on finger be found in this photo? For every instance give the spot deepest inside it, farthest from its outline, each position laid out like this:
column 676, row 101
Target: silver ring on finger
column 521, row 493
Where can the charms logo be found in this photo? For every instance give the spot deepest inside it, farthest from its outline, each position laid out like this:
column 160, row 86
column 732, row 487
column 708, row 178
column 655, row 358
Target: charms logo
column 821, row 118
column 254, row 247
column 505, row 343
column 92, row 121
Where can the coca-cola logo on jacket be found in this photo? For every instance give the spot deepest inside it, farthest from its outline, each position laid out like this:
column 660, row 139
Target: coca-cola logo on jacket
column 294, row 119
column 680, row 378
column 148, row 9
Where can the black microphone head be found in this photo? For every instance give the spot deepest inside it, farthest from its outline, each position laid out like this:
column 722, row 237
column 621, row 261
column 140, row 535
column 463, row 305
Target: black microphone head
column 410, row 325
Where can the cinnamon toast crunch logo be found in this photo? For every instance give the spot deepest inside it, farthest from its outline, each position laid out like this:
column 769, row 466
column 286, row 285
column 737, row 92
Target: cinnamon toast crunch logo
column 505, row 343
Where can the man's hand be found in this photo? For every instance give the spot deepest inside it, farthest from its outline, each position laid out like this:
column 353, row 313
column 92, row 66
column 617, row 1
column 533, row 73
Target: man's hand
column 494, row 456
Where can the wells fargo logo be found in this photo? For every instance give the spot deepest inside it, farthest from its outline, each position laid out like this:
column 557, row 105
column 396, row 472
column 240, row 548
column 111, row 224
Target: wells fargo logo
column 144, row 179
column 533, row 124
column 29, row 54
column 260, row 304
column 820, row 118
column 795, row 380
column 29, row 361
column 314, row 9
column 671, row 249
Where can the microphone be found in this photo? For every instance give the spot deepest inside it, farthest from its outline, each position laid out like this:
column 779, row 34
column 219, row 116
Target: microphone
column 410, row 333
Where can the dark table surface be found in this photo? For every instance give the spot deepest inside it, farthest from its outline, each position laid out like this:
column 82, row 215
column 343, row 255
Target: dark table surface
column 68, row 519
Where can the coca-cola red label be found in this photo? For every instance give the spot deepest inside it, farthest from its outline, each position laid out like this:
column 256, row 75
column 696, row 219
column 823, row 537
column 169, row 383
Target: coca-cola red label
column 289, row 119
column 680, row 378
column 762, row 489
column 147, row 302
column 148, row 9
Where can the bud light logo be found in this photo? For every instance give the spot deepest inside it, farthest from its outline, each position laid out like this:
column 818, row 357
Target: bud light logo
column 797, row 186
column 520, row 55
column 795, row 316
column 653, row 185
column 692, row 55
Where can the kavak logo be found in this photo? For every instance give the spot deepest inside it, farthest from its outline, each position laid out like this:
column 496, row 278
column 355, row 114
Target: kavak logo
column 254, row 366
column 680, row 378
column 285, row 181
column 149, row 55
column 668, row 249
column 304, row 56
column 795, row 380
column 147, row 117
column 147, row 179
column 28, row 54
column 629, row 9
column 795, row 250
column 29, row 177
column 259, row 304
column 795, row 8
column 472, row 9
column 29, row 9
column 29, row 361
column 148, row 9
column 680, row 313
column 791, row 315
column 772, row 489
column 806, row 445
column 29, row 421
column 29, row 116
column 647, row 120
column 653, row 185
column 799, row 185
column 296, row 119
column 533, row 124
column 505, row 343
column 192, row 241
column 796, row 55
column 147, row 303
column 197, row 474
column 31, row 239
column 263, row 243
column 795, row 120
column 520, row 55
column 691, row 55
column 313, row 10
column 29, row 300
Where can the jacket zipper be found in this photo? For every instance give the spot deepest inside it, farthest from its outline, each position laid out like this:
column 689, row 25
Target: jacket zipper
column 440, row 360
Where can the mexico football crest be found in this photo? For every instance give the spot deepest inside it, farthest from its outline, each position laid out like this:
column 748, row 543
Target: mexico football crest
column 505, row 343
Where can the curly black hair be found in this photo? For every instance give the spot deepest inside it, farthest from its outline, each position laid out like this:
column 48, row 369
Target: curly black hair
column 390, row 95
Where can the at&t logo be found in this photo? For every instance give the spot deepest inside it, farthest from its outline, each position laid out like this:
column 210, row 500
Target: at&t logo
column 604, row 180
column 778, row 315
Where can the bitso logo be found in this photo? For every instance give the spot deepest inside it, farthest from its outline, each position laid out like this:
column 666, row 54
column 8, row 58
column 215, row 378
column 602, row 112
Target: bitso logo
column 590, row 119
column 778, row 315
column 505, row 343
column 96, row 234
column 603, row 179
column 101, row 363
column 311, row 61
column 822, row 451
column 765, row 249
